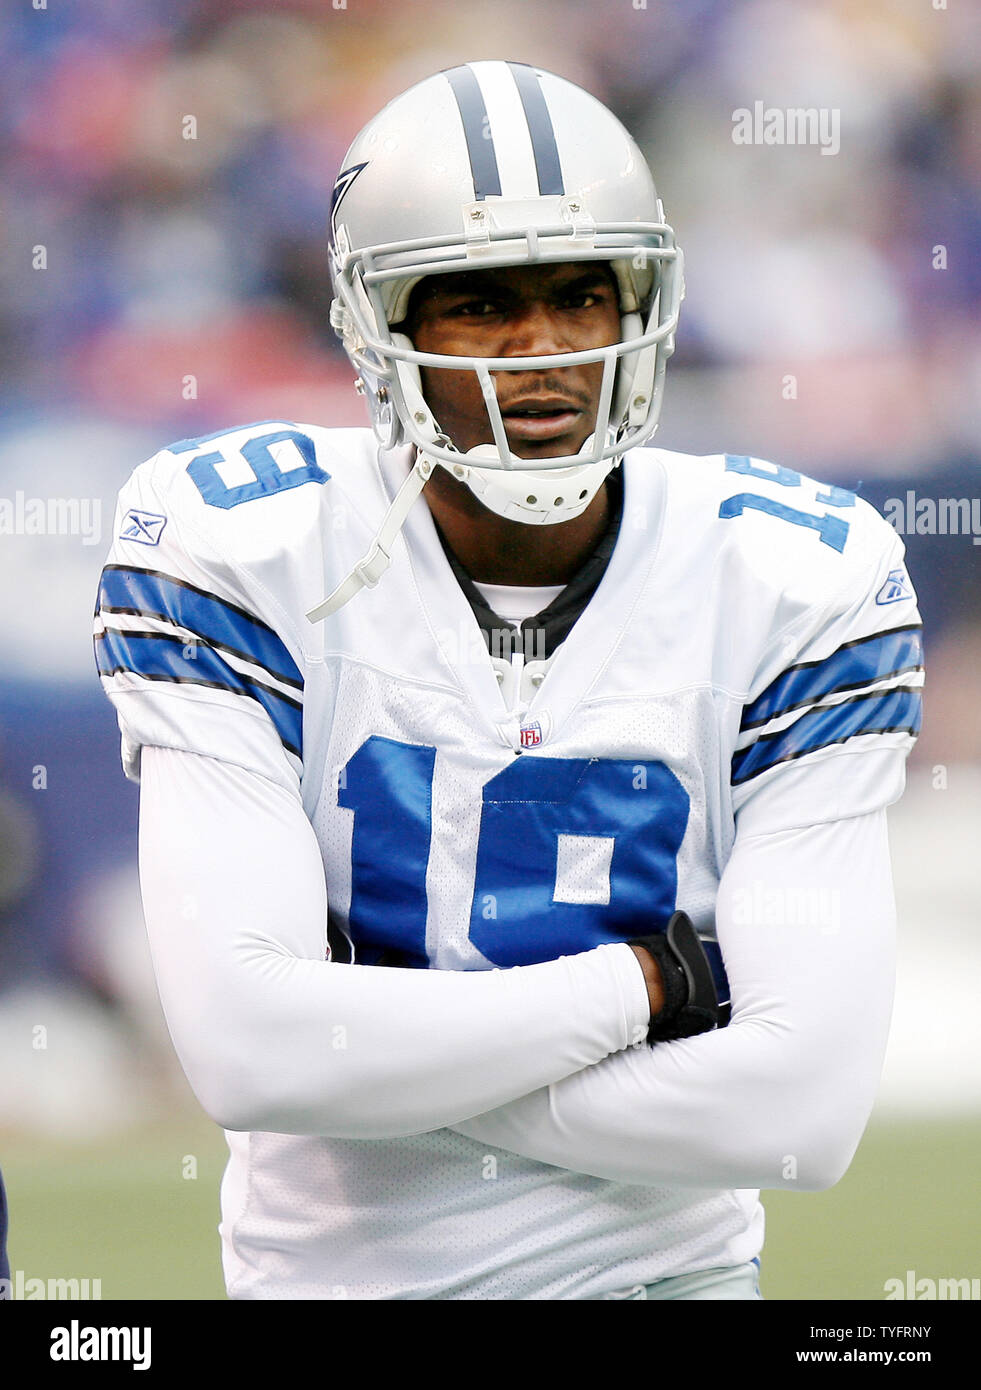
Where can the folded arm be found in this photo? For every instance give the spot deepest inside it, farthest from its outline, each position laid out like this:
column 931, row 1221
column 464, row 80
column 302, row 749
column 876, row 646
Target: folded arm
column 275, row 1037
column 780, row 1098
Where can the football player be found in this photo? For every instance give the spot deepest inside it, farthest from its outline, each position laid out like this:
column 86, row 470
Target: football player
column 441, row 725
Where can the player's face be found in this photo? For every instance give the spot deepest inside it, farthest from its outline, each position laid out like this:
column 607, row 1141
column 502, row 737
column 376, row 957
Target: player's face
column 519, row 311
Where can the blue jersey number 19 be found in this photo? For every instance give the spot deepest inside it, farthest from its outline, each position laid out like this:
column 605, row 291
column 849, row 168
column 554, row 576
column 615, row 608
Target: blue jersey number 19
column 621, row 822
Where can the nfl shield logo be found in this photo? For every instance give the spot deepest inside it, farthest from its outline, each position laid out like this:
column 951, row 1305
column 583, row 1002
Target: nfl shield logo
column 531, row 735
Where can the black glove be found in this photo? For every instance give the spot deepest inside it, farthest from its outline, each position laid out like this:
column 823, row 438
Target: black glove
column 691, row 1002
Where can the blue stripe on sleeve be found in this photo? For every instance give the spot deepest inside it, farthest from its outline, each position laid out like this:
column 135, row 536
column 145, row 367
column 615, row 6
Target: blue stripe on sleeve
column 160, row 658
column 150, row 594
column 850, row 667
column 896, row 711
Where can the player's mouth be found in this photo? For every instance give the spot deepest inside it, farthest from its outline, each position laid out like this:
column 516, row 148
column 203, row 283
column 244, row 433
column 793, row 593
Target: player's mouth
column 540, row 419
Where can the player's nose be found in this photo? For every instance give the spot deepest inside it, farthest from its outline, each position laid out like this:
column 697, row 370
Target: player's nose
column 534, row 331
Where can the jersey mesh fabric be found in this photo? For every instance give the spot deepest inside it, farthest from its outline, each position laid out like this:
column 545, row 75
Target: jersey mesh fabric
column 451, row 1218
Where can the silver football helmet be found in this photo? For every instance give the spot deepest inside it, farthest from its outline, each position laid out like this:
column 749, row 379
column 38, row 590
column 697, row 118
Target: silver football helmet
column 486, row 165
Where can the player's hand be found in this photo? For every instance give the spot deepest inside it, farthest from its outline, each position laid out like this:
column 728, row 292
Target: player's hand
column 680, row 985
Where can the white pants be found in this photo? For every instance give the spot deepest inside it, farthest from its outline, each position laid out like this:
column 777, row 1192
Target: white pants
column 733, row 1282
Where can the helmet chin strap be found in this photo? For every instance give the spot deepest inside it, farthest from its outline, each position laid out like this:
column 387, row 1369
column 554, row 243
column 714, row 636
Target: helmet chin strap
column 378, row 557
column 500, row 492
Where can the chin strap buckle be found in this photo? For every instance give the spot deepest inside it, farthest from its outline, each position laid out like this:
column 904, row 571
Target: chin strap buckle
column 374, row 564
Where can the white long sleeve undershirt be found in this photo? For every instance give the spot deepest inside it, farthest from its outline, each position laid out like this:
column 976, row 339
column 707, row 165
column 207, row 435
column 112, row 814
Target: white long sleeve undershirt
column 273, row 1037
column 779, row 1098
column 536, row 1059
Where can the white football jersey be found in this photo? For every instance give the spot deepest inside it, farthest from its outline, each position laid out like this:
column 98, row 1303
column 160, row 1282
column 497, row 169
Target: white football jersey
column 749, row 663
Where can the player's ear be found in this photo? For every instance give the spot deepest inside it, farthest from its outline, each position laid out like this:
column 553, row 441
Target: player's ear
column 408, row 323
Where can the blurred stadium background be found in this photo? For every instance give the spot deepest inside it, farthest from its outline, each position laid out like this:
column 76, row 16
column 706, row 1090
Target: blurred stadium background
column 157, row 286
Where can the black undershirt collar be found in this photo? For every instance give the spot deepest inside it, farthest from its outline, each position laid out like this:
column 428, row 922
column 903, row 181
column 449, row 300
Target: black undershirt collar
column 541, row 634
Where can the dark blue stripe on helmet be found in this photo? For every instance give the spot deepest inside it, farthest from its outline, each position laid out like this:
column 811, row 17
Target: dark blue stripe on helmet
column 476, row 129
column 160, row 658
column 855, row 664
column 540, row 128
column 898, row 711
column 150, row 594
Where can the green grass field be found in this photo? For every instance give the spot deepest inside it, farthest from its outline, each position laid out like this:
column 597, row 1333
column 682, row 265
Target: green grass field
column 124, row 1212
column 911, row 1200
column 121, row 1211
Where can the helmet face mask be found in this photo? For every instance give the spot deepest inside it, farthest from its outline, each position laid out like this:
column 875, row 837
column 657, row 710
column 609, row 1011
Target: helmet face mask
column 577, row 189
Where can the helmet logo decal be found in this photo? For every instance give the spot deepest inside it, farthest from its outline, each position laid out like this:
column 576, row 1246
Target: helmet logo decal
column 476, row 129
column 341, row 184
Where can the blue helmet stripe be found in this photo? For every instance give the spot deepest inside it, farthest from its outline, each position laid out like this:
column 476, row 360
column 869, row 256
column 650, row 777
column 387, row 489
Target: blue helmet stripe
column 540, row 128
column 476, row 129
